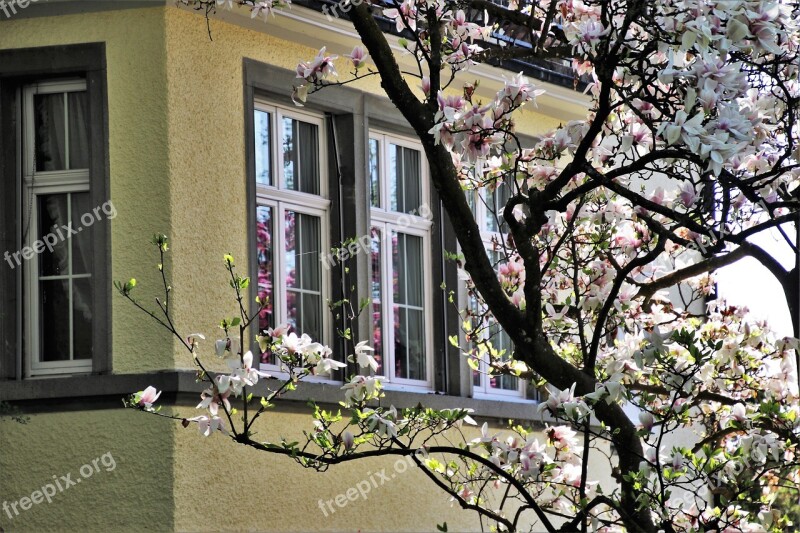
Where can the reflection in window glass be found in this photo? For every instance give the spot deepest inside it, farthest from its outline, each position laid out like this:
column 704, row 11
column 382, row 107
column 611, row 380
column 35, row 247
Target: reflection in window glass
column 375, row 172
column 303, row 273
column 264, row 253
column 377, row 297
column 263, row 146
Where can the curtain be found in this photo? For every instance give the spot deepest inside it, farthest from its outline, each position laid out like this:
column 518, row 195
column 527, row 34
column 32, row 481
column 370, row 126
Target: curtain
column 411, row 176
column 49, row 132
column 81, row 244
column 78, row 113
column 300, row 156
column 53, row 293
column 308, row 153
column 406, row 186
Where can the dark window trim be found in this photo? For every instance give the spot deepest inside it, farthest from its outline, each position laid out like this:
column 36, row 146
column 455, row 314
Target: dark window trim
column 18, row 67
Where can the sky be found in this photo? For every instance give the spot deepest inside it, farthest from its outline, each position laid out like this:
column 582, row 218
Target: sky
column 748, row 283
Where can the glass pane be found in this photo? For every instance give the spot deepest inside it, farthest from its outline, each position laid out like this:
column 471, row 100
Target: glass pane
column 53, row 213
column 54, row 341
column 398, row 264
column 82, row 318
column 375, row 172
column 303, row 274
column 302, row 251
column 416, row 344
column 83, row 219
column 408, row 271
column 496, row 202
column 501, row 341
column 263, row 147
column 264, row 251
column 49, row 132
column 408, row 291
column 409, row 342
column 473, row 206
column 300, row 156
column 294, row 311
column 405, row 178
column 377, row 298
column 310, row 321
column 78, row 114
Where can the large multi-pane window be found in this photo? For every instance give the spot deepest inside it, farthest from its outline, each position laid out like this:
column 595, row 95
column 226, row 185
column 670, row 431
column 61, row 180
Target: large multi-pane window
column 291, row 220
column 56, row 193
column 487, row 205
column 400, row 231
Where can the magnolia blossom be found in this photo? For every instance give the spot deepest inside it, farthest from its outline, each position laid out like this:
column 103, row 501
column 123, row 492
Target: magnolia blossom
column 358, row 56
column 361, row 389
column 147, row 397
column 383, row 422
column 320, row 68
column 206, row 426
column 211, row 400
column 364, row 358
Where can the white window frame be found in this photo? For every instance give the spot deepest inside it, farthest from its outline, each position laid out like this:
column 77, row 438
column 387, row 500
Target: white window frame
column 388, row 221
column 35, row 183
column 280, row 200
column 485, row 391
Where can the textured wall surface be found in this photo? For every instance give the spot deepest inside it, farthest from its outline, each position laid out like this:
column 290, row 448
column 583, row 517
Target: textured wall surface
column 134, row 495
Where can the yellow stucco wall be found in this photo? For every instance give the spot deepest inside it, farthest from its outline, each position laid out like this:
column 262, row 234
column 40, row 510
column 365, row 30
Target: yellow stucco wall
column 129, row 490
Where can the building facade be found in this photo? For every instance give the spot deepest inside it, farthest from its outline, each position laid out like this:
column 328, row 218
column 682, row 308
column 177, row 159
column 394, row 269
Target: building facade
column 120, row 120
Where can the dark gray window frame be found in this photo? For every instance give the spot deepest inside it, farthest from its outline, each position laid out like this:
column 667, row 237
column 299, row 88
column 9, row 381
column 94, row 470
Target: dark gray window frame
column 19, row 67
column 350, row 115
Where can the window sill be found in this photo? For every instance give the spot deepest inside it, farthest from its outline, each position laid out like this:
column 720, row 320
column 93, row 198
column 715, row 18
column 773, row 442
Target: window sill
column 182, row 385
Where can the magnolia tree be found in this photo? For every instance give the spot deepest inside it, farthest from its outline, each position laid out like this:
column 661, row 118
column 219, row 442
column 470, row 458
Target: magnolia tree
column 689, row 149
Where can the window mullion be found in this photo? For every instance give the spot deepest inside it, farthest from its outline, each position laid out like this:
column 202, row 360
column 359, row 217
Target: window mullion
column 67, row 164
column 69, row 282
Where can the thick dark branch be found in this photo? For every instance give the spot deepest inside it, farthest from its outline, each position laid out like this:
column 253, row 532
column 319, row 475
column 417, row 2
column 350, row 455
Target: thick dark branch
column 695, row 269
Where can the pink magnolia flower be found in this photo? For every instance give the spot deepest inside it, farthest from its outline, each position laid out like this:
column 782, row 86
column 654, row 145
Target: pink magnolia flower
column 358, row 56
column 211, row 401
column 147, row 397
column 426, row 85
column 319, row 68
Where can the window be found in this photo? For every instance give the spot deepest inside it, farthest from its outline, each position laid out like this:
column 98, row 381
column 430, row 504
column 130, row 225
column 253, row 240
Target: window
column 55, row 212
column 400, row 240
column 487, row 206
column 291, row 221
column 59, row 280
